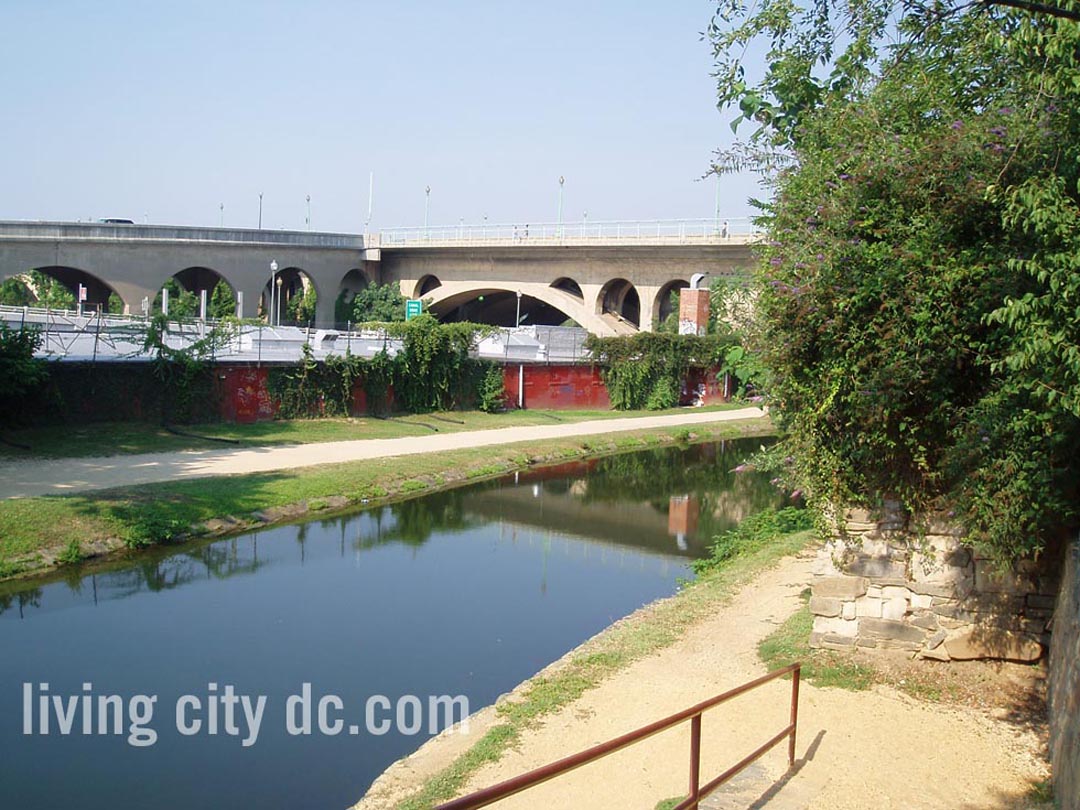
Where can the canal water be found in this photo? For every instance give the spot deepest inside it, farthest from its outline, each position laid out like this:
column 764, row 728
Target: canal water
column 460, row 593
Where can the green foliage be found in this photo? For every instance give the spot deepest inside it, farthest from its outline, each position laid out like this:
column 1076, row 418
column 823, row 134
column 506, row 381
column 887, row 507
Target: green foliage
column 222, row 302
column 917, row 296
column 21, row 374
column 491, row 396
column 377, row 303
column 300, row 309
column 432, row 372
column 72, row 553
column 185, row 374
column 15, row 293
column 646, row 370
column 50, row 292
column 182, row 304
column 151, row 529
column 435, row 371
column 790, row 643
column 752, row 534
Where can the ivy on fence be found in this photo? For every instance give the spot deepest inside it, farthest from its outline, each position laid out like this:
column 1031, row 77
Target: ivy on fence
column 646, row 370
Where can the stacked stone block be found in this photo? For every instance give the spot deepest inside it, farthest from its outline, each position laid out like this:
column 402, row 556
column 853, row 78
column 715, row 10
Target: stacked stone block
column 881, row 584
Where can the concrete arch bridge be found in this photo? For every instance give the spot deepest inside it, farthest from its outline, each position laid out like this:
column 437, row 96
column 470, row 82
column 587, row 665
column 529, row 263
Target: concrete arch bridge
column 610, row 278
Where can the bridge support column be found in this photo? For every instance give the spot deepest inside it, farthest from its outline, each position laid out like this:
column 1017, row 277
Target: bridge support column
column 324, row 310
column 252, row 296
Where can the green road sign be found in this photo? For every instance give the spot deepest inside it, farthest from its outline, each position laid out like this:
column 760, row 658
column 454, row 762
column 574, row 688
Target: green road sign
column 413, row 308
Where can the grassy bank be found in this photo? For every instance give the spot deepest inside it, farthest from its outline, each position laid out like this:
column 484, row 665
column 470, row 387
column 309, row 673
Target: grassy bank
column 645, row 632
column 112, row 438
column 37, row 534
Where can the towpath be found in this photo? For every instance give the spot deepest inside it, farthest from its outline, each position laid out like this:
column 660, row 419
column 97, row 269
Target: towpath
column 30, row 478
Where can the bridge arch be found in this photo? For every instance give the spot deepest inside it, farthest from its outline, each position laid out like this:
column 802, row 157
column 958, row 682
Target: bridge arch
column 295, row 298
column 185, row 288
column 57, row 286
column 448, row 297
column 619, row 298
column 569, row 286
column 425, row 285
column 664, row 304
column 351, row 283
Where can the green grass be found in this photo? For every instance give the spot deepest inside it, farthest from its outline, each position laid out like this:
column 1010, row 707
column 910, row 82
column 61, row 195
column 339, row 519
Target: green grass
column 790, row 642
column 125, row 438
column 35, row 532
column 648, row 631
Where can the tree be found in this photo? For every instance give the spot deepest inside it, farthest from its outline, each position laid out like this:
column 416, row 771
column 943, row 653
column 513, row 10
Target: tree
column 300, row 309
column 378, row 303
column 21, row 374
column 917, row 291
column 222, row 302
column 15, row 293
column 182, row 304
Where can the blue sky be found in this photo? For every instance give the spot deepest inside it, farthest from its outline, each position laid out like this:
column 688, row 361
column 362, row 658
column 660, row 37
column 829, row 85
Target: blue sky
column 167, row 110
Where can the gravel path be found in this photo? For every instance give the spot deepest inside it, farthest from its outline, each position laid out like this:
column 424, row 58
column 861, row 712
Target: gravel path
column 25, row 479
column 855, row 750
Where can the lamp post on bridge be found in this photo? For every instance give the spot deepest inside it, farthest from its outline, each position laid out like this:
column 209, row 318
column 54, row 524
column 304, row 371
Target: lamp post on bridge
column 270, row 309
column 307, row 219
column 427, row 205
column 260, row 210
column 517, row 315
column 558, row 228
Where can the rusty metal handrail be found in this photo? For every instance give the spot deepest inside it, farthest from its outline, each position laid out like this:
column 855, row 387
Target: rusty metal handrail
column 482, row 798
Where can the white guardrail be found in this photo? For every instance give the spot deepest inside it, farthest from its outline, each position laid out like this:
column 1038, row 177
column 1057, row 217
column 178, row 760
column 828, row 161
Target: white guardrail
column 580, row 233
column 92, row 337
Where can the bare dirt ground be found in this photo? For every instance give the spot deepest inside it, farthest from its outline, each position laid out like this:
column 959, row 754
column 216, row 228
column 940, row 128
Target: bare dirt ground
column 30, row 478
column 979, row 743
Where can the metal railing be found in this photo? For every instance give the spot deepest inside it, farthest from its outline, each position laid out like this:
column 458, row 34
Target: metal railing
column 109, row 232
column 697, row 791
column 95, row 335
column 657, row 231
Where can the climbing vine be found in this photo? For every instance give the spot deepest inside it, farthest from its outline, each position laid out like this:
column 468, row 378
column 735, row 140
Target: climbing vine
column 646, row 370
column 432, row 371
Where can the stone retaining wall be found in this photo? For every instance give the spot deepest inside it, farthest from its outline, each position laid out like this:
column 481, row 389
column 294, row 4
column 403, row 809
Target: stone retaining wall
column 880, row 584
column 1065, row 686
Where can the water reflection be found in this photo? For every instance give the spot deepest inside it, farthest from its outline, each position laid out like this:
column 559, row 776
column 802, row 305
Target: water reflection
column 663, row 502
column 464, row 592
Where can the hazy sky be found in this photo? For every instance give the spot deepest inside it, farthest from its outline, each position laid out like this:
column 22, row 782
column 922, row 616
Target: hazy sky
column 166, row 110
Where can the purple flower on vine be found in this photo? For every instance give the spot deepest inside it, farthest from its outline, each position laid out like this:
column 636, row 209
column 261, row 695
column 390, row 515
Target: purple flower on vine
column 956, row 125
column 1005, row 111
column 998, row 131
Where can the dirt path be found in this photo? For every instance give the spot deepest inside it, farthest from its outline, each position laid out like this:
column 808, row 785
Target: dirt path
column 24, row 479
column 856, row 750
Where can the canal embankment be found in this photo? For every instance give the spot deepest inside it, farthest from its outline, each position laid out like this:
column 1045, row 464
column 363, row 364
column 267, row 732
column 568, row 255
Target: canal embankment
column 44, row 533
column 855, row 748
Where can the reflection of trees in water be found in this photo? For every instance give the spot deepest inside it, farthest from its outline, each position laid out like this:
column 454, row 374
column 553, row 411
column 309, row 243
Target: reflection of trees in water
column 30, row 598
column 414, row 521
column 220, row 560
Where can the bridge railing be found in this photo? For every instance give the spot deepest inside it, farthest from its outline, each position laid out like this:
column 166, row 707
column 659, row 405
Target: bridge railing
column 124, row 232
column 657, row 231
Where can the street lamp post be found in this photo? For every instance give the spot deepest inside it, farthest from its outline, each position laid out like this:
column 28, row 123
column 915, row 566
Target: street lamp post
column 558, row 229
column 517, row 316
column 270, row 309
column 427, row 206
column 260, row 210
column 279, row 301
column 307, row 221
column 222, row 207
